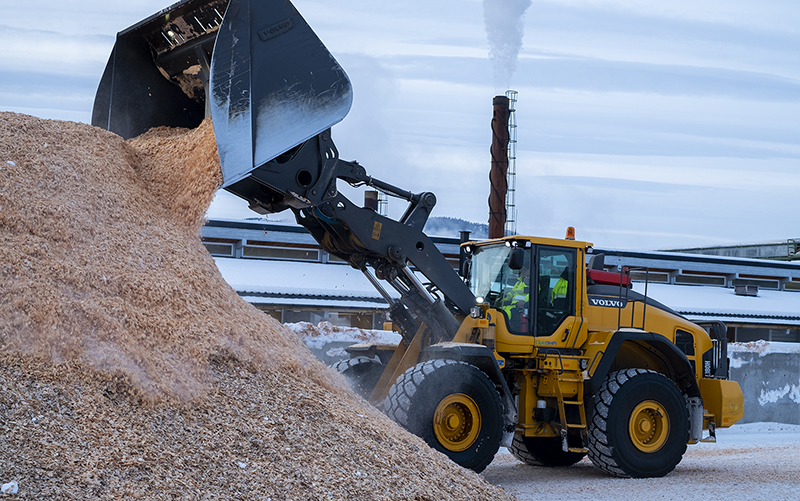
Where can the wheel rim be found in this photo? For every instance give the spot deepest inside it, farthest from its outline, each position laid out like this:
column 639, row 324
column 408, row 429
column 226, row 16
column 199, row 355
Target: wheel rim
column 649, row 426
column 457, row 422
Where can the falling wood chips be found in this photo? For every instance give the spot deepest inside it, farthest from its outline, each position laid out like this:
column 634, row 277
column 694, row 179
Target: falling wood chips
column 130, row 369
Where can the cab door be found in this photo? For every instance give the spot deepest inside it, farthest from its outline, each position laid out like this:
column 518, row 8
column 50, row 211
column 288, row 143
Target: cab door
column 554, row 307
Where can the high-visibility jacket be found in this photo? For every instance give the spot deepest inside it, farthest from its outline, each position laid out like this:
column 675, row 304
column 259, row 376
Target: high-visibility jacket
column 560, row 290
column 520, row 292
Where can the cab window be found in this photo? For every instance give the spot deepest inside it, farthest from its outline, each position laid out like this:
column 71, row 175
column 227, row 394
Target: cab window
column 502, row 286
column 555, row 290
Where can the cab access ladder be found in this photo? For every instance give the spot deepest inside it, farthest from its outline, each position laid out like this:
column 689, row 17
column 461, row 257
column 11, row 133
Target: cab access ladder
column 576, row 401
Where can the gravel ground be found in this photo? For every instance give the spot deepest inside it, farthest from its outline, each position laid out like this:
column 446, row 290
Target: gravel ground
column 750, row 461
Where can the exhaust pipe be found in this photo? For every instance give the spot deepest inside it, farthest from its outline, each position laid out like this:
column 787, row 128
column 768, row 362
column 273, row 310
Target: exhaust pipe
column 498, row 174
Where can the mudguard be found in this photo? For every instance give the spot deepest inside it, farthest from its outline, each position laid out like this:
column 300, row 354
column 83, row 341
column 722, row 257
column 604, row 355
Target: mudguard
column 680, row 369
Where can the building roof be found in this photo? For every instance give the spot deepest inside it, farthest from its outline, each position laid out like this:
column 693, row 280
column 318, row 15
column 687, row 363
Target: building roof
column 788, row 249
column 696, row 262
column 720, row 303
column 298, row 284
column 318, row 303
column 254, row 277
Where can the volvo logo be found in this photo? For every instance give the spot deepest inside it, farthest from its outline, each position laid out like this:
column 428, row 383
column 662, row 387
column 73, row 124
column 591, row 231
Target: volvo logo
column 275, row 30
column 606, row 302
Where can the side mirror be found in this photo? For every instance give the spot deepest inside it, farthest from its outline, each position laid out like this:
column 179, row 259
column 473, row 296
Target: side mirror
column 465, row 266
column 516, row 259
column 597, row 262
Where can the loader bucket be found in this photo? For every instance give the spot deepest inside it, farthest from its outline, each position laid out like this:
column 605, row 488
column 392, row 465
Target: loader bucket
column 254, row 66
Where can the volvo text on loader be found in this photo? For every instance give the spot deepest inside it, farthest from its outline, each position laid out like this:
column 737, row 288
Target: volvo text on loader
column 536, row 347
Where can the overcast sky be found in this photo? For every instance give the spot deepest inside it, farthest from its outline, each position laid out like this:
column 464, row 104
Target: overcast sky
column 643, row 124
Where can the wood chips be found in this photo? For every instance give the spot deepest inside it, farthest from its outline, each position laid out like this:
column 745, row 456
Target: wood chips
column 130, row 369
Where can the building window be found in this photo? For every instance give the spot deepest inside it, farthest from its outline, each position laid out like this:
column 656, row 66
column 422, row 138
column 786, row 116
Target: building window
column 220, row 246
column 295, row 316
column 749, row 334
column 219, row 249
column 362, row 320
column 336, row 259
column 784, row 335
column 653, row 276
column 281, row 253
column 700, row 280
column 762, row 284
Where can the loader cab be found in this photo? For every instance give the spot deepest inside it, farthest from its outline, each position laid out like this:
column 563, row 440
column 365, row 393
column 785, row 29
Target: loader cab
column 531, row 284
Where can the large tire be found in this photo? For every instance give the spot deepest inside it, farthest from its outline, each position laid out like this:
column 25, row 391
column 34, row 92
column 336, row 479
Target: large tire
column 543, row 451
column 361, row 372
column 640, row 425
column 451, row 405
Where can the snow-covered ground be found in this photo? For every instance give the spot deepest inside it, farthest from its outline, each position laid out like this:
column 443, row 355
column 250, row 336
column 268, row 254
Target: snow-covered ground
column 749, row 461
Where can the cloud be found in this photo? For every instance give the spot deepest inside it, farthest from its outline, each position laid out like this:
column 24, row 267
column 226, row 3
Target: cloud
column 643, row 124
column 653, row 202
column 53, row 52
column 50, row 75
column 768, row 15
column 596, row 75
column 609, row 31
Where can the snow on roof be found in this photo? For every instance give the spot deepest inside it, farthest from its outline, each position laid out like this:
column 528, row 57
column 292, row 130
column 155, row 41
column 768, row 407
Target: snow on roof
column 314, row 302
column 323, row 283
column 289, row 277
column 764, row 320
column 739, row 244
column 722, row 302
column 283, row 221
column 612, row 253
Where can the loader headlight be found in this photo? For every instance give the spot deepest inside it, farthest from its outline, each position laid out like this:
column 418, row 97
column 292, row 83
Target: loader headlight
column 475, row 311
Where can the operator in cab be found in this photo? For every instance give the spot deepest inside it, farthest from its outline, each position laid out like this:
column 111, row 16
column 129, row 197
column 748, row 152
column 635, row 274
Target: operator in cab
column 559, row 292
column 517, row 299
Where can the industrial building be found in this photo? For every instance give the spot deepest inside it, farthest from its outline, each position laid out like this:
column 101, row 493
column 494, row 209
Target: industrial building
column 755, row 298
column 282, row 270
column 781, row 250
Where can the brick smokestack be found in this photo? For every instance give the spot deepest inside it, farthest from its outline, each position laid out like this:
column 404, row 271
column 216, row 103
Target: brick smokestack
column 497, row 175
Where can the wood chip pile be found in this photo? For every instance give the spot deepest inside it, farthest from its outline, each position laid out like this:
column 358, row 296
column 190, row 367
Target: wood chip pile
column 129, row 368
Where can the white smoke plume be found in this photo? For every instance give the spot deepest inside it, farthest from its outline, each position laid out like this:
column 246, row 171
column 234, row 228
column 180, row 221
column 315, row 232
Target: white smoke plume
column 504, row 30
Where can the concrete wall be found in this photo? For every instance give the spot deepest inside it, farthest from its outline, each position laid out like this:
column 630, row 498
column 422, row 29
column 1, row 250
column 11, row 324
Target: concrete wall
column 771, row 386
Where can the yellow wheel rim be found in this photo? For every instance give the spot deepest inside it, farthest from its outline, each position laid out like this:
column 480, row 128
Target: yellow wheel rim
column 649, row 426
column 457, row 422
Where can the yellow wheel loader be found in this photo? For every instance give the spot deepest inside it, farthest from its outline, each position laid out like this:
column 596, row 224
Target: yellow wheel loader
column 535, row 346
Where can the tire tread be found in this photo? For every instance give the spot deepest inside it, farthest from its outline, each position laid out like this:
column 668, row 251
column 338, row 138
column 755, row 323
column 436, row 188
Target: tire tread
column 601, row 451
column 400, row 400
